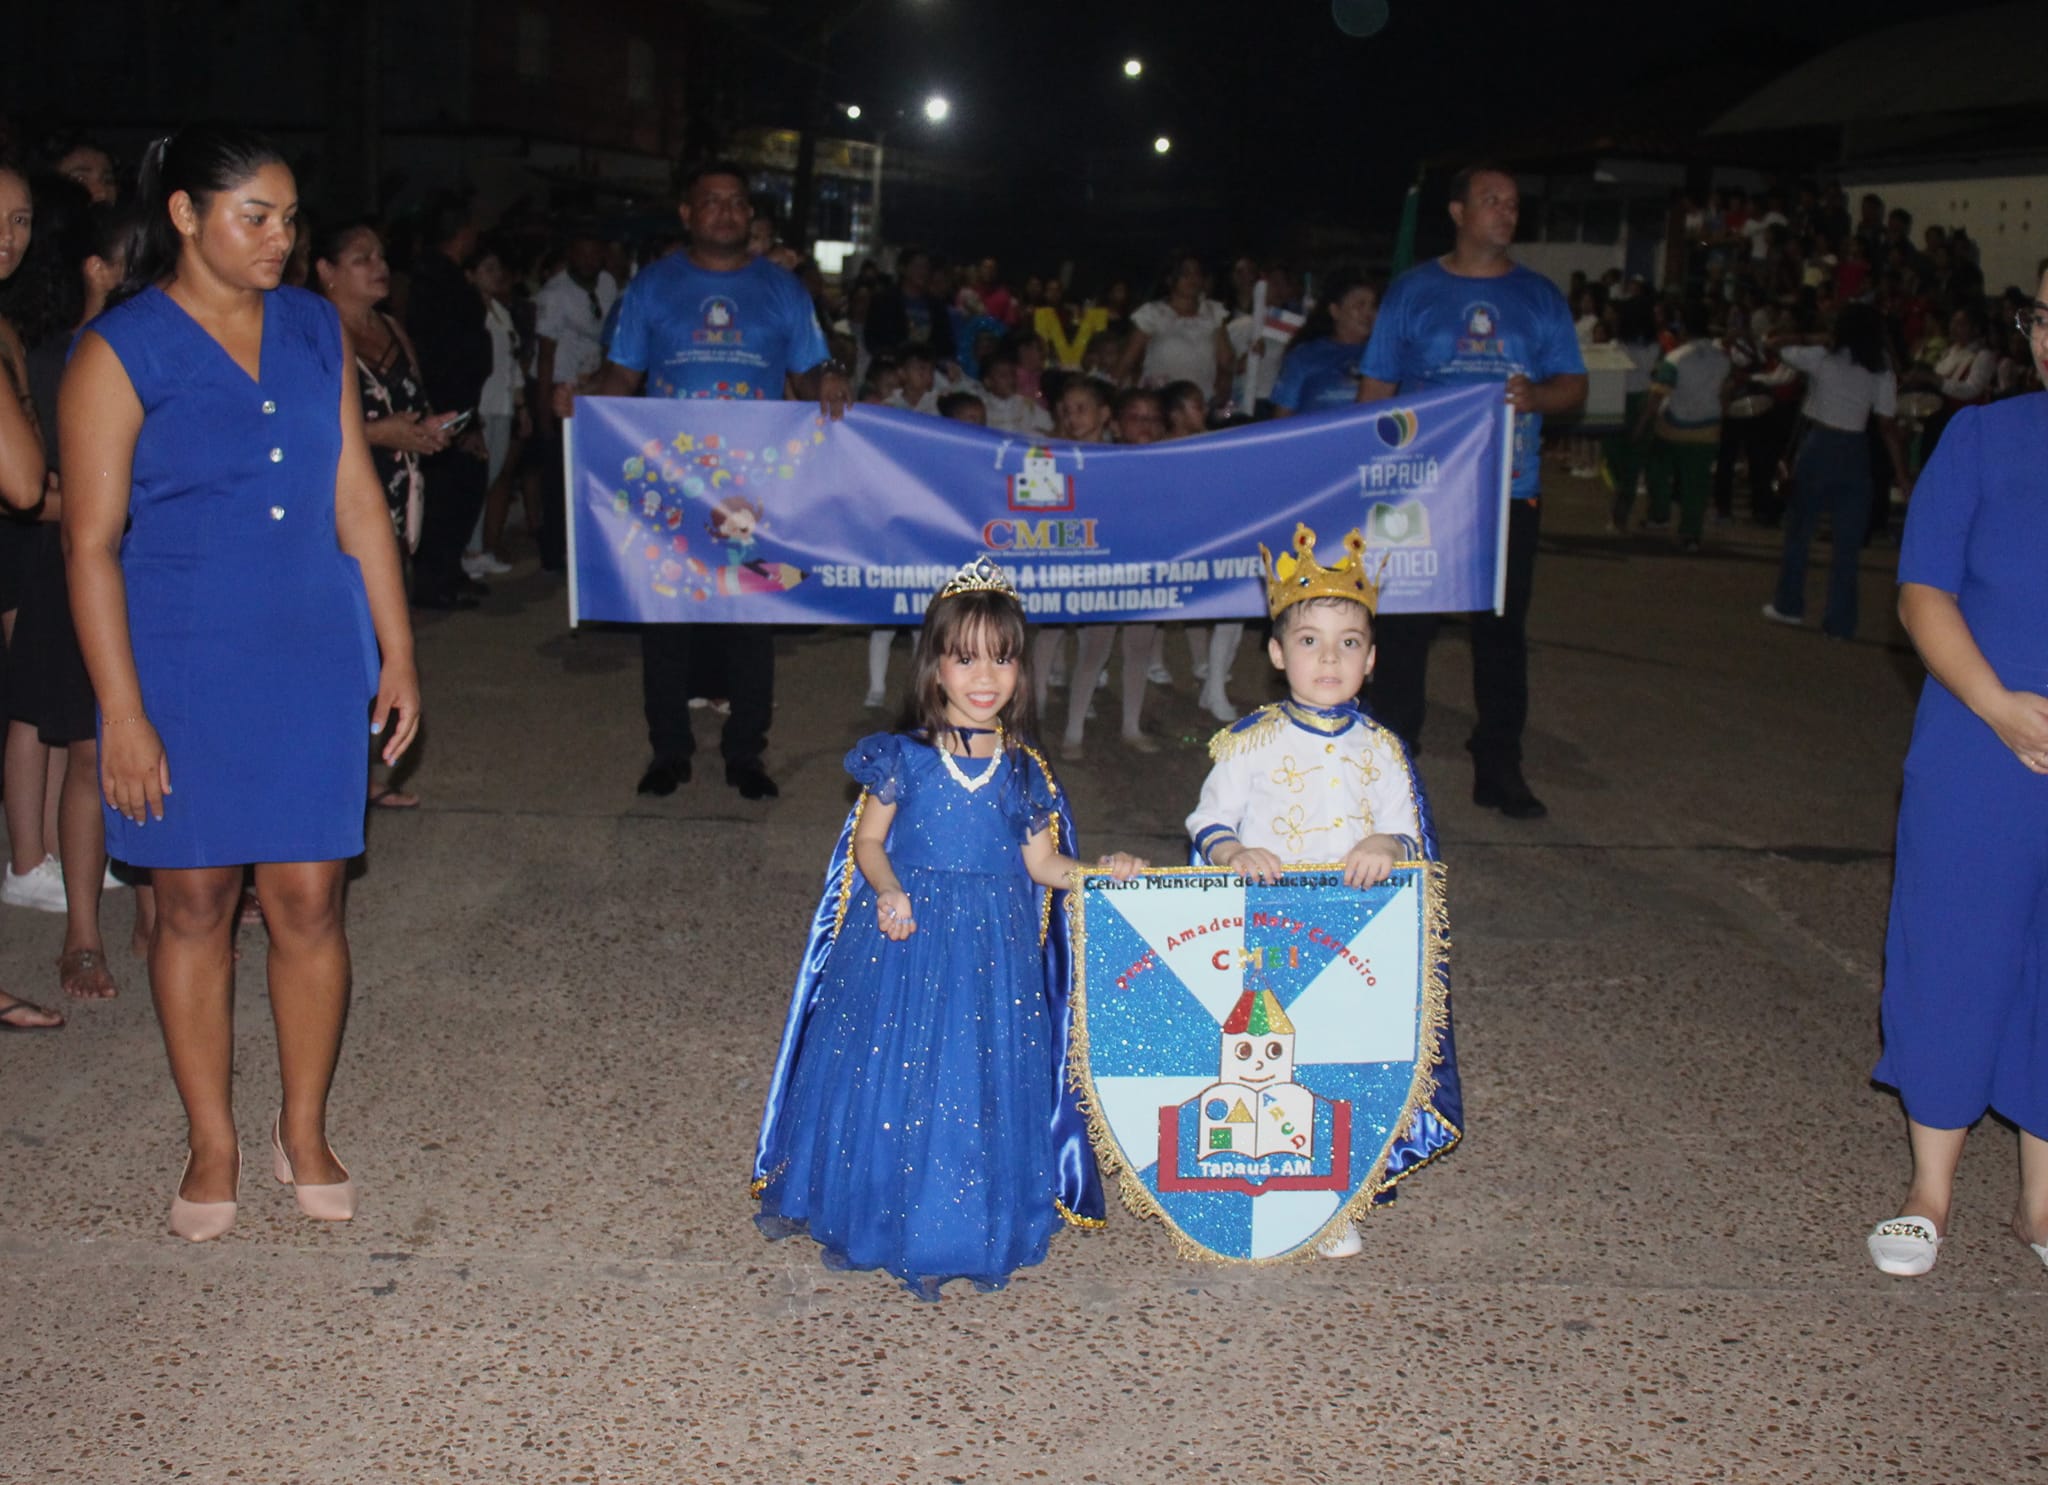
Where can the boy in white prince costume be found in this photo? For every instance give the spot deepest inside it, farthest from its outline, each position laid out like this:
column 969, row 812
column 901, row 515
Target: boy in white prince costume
column 1312, row 779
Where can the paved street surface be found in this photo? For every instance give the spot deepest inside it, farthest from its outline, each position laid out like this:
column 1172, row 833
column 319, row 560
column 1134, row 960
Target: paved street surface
column 1644, row 1264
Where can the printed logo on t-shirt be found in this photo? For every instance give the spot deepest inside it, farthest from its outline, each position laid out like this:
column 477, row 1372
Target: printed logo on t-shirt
column 1482, row 335
column 719, row 323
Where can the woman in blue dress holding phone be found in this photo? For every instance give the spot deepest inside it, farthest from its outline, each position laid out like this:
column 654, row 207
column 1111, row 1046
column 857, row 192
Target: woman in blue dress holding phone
column 237, row 596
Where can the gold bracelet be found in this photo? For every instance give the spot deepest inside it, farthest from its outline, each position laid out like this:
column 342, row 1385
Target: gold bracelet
column 117, row 721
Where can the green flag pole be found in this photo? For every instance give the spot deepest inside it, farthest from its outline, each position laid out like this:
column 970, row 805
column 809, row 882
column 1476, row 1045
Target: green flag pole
column 1404, row 235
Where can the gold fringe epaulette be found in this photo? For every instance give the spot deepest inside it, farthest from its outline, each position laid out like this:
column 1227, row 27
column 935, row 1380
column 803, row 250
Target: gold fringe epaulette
column 1246, row 733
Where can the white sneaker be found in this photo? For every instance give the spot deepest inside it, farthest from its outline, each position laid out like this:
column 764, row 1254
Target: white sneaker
column 1343, row 1243
column 1218, row 706
column 41, row 887
column 484, row 564
column 874, row 701
column 1777, row 616
column 1159, row 675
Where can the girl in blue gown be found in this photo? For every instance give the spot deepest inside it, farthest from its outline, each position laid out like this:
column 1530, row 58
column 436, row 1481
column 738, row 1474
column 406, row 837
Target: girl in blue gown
column 918, row 1119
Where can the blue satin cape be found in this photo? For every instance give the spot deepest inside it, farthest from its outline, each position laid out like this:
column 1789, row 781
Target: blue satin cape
column 1079, row 1192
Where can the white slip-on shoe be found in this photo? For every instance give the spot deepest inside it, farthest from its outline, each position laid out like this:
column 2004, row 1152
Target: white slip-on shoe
column 41, row 887
column 1904, row 1246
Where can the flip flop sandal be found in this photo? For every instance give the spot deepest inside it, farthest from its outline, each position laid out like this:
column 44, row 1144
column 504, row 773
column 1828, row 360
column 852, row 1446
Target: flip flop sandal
column 83, row 975
column 15, row 1005
column 1904, row 1246
column 394, row 799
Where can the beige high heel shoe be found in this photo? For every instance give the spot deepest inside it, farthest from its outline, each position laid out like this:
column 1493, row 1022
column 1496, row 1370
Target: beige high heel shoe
column 203, row 1221
column 331, row 1203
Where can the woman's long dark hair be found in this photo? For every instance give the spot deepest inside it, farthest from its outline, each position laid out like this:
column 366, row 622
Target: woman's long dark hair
column 967, row 624
column 1859, row 330
column 1321, row 323
column 47, row 296
column 200, row 160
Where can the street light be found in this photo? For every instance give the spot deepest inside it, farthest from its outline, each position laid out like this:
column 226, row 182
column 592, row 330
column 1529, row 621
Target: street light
column 1133, row 67
column 935, row 110
column 1161, row 145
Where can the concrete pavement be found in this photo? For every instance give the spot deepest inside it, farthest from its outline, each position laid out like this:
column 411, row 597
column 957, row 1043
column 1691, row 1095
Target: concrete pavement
column 1644, row 1263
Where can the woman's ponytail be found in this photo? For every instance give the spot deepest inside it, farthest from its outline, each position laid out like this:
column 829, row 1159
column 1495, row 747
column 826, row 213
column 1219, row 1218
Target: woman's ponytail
column 200, row 160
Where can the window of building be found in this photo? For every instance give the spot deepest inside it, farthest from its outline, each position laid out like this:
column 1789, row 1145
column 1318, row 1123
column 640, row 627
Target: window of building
column 533, row 43
column 639, row 73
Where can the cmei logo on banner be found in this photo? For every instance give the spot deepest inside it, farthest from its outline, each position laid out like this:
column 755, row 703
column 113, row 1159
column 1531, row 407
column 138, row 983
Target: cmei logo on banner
column 705, row 511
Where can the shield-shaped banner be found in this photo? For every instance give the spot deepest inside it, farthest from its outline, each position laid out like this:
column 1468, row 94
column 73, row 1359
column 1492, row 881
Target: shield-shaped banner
column 1248, row 1053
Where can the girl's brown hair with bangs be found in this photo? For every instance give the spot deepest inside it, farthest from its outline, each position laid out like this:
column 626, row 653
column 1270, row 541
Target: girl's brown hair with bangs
column 960, row 625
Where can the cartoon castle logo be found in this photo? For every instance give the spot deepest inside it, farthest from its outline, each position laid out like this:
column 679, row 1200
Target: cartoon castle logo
column 1255, row 1107
column 1040, row 485
column 1255, row 1128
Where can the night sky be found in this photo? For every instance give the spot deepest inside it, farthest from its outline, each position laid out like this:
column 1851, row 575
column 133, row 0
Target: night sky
column 1270, row 99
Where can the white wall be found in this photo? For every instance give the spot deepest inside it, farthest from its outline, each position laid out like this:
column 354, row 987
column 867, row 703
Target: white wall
column 2007, row 215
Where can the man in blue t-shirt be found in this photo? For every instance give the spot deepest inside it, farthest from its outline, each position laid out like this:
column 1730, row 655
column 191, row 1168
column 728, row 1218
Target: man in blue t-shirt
column 1475, row 315
column 712, row 321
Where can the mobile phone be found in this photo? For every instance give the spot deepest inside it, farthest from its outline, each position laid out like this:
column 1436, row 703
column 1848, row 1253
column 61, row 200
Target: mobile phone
column 457, row 423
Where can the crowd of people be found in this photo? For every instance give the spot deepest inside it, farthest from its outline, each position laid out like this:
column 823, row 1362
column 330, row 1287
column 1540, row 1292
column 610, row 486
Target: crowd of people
column 208, row 395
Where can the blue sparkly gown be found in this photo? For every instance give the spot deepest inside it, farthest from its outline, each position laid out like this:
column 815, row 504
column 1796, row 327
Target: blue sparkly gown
column 918, row 1120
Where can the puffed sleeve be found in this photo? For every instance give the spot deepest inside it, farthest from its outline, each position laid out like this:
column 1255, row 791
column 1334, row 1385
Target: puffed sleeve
column 878, row 765
column 1935, row 548
column 1032, row 800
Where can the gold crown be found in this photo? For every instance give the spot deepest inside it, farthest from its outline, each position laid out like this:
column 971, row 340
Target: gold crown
column 1297, row 577
column 982, row 575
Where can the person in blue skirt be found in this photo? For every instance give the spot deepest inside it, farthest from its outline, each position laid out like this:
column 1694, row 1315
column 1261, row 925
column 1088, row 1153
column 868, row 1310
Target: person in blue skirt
column 919, row 1119
column 237, row 596
column 1965, row 1006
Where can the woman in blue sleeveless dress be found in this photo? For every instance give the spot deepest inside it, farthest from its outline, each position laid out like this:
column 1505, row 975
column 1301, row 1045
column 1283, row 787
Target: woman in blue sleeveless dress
column 1966, row 956
column 233, row 633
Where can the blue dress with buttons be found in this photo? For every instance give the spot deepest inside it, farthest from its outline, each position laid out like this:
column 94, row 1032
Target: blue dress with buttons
column 249, row 624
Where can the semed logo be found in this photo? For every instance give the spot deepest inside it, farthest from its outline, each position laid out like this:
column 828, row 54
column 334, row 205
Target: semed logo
column 1396, row 429
column 1403, row 524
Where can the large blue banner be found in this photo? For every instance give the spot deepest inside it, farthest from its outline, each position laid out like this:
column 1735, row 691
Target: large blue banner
column 765, row 513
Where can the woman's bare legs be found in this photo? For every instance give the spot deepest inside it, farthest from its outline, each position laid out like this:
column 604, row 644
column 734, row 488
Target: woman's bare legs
column 1092, row 647
column 1045, row 654
column 1936, row 1153
column 309, row 978
column 2030, row 1216
column 27, row 765
column 192, row 981
column 145, row 917
column 1137, row 646
column 82, row 844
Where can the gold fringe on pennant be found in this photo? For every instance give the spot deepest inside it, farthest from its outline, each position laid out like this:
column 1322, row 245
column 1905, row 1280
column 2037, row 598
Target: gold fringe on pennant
column 1075, row 1219
column 1435, row 990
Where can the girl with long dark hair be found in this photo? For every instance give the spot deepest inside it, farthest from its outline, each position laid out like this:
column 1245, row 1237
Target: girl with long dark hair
column 237, row 595
column 959, row 1151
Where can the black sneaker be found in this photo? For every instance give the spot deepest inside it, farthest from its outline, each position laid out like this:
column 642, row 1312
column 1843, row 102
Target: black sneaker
column 1508, row 793
column 752, row 781
column 664, row 776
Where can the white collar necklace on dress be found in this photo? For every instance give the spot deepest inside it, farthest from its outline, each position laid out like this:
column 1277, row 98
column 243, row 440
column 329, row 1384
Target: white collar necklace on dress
column 959, row 774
